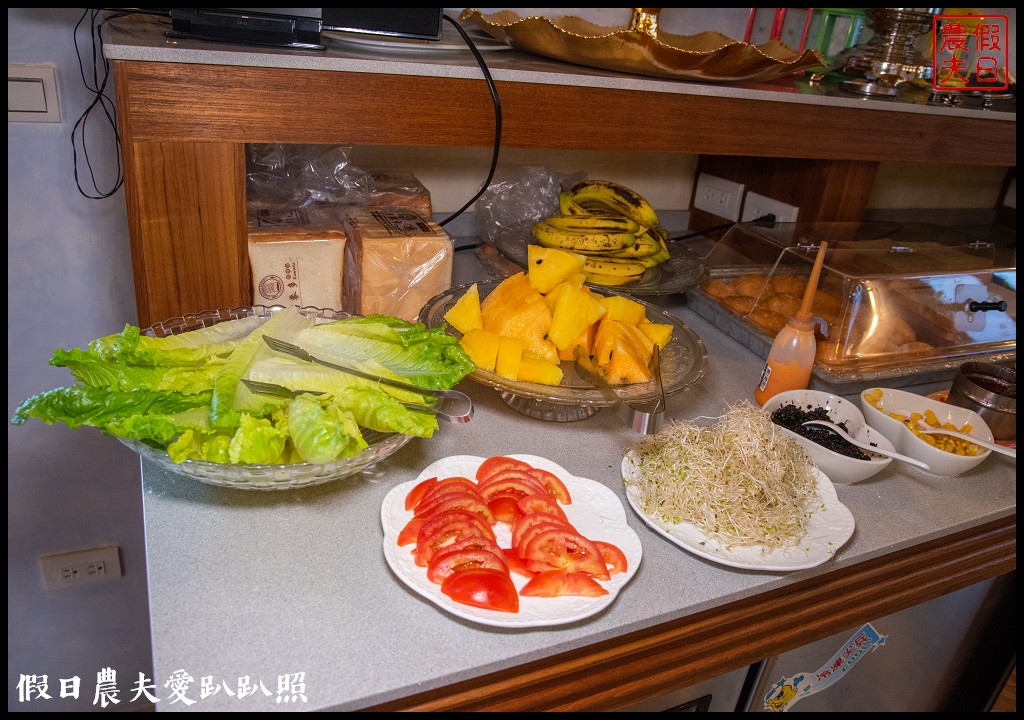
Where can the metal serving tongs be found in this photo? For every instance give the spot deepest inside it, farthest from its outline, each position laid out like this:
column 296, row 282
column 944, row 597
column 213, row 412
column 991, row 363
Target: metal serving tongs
column 646, row 417
column 456, row 418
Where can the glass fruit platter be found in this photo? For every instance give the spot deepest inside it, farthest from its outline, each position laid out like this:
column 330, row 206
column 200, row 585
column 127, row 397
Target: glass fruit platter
column 684, row 361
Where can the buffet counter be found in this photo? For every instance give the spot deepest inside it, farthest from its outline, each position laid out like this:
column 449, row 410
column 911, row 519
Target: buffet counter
column 288, row 593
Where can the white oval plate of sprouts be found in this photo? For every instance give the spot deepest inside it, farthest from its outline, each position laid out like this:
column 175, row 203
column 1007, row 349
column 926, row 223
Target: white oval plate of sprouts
column 806, row 534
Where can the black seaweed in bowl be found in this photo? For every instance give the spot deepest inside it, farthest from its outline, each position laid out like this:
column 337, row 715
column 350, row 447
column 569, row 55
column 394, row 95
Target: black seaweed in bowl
column 793, row 418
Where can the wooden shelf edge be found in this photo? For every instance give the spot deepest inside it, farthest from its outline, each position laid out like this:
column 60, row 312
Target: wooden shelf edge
column 203, row 103
column 692, row 649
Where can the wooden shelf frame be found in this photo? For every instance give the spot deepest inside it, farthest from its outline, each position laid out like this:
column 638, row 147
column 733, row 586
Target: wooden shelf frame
column 184, row 128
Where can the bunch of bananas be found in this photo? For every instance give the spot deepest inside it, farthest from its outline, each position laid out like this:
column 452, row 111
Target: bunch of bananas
column 614, row 227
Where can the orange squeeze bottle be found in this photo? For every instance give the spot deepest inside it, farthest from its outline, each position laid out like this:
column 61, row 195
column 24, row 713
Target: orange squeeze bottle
column 791, row 357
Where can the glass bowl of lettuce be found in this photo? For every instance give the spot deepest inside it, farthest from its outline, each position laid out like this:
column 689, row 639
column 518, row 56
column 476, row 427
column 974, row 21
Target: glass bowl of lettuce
column 173, row 392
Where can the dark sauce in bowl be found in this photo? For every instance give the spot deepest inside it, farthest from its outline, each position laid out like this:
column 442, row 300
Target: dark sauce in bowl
column 997, row 385
column 793, row 418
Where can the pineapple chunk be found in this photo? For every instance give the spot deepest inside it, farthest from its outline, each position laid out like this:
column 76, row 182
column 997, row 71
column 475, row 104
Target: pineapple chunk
column 576, row 281
column 659, row 333
column 623, row 309
column 510, row 294
column 538, row 370
column 625, row 366
column 482, row 347
column 550, row 266
column 465, row 313
column 611, row 333
column 584, row 340
column 529, row 323
column 575, row 311
column 510, row 355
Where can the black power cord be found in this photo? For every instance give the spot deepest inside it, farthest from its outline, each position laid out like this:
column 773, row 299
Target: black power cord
column 497, row 121
column 97, row 84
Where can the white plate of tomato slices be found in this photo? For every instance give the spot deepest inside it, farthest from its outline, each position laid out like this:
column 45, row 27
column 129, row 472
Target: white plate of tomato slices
column 593, row 510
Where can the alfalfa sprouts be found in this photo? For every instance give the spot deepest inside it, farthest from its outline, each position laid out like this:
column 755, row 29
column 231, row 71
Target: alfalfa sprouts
column 740, row 481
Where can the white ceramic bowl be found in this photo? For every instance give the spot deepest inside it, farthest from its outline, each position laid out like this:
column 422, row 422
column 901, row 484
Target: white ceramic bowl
column 942, row 463
column 840, row 469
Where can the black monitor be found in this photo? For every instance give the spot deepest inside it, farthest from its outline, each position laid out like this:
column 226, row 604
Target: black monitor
column 300, row 27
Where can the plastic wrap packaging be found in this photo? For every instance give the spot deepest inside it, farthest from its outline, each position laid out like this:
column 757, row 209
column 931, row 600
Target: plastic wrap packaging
column 512, row 206
column 395, row 261
column 288, row 177
column 296, row 259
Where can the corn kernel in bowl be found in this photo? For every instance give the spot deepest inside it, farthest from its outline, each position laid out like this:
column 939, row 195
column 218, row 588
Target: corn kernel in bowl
column 946, row 443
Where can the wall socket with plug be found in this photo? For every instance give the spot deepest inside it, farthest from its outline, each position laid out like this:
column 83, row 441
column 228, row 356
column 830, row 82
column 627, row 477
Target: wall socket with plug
column 756, row 205
column 81, row 567
column 718, row 196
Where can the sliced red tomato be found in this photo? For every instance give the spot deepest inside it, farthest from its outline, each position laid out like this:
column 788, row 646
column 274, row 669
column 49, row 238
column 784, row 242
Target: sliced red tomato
column 512, row 474
column 553, row 484
column 499, row 462
column 448, row 561
column 484, row 588
column 614, row 559
column 535, row 529
column 472, row 542
column 455, row 501
column 567, row 550
column 411, row 531
column 513, row 487
column 528, row 521
column 537, row 567
column 416, row 494
column 556, row 583
column 541, row 503
column 505, row 509
column 444, row 529
column 516, row 564
column 448, row 485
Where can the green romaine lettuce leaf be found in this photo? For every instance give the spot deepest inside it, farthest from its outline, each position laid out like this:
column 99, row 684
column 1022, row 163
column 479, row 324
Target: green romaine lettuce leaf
column 82, row 405
column 322, row 433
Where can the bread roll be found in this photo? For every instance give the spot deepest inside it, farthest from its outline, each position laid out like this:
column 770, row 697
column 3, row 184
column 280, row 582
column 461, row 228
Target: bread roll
column 739, row 304
column 782, row 303
column 749, row 285
column 768, row 321
column 718, row 288
column 792, row 284
column 826, row 303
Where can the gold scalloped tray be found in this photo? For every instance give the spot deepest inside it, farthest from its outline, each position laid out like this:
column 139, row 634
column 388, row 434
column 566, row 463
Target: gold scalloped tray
column 707, row 56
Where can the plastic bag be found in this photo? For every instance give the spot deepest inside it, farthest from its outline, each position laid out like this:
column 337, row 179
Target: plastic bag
column 282, row 178
column 509, row 208
column 529, row 195
column 295, row 176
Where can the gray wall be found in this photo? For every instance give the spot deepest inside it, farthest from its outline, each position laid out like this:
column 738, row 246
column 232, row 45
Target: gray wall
column 69, row 280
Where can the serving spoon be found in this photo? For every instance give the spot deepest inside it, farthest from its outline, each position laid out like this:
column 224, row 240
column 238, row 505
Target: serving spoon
column 926, row 429
column 867, row 446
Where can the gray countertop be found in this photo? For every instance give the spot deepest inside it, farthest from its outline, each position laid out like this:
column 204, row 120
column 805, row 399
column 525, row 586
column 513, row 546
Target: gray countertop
column 258, row 586
column 144, row 39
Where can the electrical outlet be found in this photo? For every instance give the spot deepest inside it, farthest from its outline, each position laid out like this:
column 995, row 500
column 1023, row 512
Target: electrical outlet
column 755, row 206
column 718, row 196
column 81, row 567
